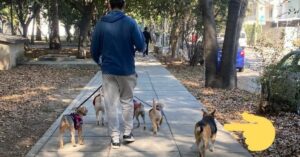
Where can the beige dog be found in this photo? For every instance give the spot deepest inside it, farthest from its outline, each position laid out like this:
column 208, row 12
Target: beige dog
column 156, row 116
column 205, row 133
column 99, row 106
column 72, row 122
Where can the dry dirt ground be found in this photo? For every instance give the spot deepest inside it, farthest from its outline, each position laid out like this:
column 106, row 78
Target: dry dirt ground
column 31, row 98
column 230, row 104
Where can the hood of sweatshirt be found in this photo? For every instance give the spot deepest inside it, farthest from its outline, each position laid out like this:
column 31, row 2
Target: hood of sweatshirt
column 113, row 16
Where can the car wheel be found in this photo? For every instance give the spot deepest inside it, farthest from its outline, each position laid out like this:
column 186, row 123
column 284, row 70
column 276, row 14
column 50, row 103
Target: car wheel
column 241, row 69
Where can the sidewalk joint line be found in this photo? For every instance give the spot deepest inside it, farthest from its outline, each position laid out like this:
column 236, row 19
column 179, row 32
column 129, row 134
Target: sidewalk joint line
column 164, row 115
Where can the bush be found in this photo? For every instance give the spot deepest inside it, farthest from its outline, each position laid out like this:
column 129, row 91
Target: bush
column 280, row 89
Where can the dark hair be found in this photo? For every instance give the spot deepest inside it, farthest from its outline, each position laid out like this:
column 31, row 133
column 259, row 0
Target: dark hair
column 117, row 4
column 146, row 28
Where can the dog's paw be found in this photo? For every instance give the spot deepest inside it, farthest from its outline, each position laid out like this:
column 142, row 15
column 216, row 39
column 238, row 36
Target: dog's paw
column 155, row 133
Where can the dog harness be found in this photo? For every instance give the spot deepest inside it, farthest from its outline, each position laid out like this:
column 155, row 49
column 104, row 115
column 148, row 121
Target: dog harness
column 136, row 104
column 77, row 120
column 212, row 125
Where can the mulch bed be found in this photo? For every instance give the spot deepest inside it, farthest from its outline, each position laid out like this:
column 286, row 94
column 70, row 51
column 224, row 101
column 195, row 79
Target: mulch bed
column 31, row 98
column 230, row 104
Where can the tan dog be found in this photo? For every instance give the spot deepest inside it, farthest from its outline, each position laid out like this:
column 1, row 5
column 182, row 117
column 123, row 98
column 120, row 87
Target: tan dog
column 206, row 132
column 99, row 106
column 156, row 116
column 139, row 110
column 72, row 122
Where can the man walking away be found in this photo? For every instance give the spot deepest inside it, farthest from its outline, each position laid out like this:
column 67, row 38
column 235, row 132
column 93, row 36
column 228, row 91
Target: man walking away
column 147, row 40
column 115, row 38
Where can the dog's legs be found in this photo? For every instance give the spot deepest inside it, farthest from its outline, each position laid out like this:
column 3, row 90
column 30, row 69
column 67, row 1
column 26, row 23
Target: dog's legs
column 201, row 148
column 154, row 125
column 97, row 116
column 80, row 138
column 102, row 117
column 212, row 142
column 137, row 118
column 72, row 131
column 61, row 140
column 161, row 120
column 143, row 116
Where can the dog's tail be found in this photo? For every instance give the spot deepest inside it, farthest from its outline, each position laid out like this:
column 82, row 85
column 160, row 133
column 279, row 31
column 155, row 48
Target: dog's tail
column 154, row 106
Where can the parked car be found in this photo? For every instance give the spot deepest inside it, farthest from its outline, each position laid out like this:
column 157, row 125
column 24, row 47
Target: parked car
column 240, row 57
column 281, row 84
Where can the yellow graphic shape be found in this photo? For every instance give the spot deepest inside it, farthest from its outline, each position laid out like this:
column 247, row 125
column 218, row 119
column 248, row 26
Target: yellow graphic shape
column 259, row 132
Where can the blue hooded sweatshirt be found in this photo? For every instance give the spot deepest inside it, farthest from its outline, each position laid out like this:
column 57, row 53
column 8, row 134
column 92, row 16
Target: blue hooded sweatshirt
column 115, row 39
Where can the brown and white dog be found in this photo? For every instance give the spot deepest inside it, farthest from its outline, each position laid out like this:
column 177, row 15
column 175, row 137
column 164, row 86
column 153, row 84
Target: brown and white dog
column 139, row 110
column 72, row 122
column 156, row 116
column 205, row 133
column 99, row 106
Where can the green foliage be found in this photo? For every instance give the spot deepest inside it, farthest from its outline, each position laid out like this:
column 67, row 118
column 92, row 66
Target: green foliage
column 251, row 31
column 67, row 14
column 281, row 88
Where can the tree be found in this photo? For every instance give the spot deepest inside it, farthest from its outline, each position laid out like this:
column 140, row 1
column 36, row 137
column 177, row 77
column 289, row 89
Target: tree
column 236, row 14
column 54, row 25
column 210, row 43
column 26, row 11
column 38, row 27
column 69, row 16
column 87, row 10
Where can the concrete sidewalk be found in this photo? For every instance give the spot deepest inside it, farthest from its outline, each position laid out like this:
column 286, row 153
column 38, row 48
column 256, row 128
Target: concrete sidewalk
column 175, row 139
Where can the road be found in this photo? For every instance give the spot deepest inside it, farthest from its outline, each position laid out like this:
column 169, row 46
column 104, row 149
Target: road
column 249, row 79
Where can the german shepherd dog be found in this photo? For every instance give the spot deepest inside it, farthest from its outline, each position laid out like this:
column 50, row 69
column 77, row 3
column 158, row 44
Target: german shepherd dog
column 205, row 133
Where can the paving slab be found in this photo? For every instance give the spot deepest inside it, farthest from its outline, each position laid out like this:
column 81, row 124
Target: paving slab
column 175, row 138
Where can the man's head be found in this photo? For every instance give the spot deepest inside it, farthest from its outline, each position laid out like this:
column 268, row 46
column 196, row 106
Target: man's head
column 146, row 28
column 117, row 4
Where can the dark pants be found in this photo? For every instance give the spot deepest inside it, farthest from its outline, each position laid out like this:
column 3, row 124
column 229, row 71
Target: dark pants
column 146, row 51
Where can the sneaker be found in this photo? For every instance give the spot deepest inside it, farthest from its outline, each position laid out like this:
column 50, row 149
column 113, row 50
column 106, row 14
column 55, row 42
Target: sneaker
column 128, row 138
column 115, row 145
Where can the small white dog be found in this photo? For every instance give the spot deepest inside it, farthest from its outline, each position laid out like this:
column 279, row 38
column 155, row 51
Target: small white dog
column 99, row 105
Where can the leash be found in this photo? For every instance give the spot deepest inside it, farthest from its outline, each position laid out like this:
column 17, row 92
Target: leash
column 143, row 101
column 89, row 96
column 164, row 115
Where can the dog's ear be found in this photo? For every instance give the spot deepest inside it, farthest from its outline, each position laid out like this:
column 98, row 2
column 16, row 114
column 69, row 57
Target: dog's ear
column 213, row 113
column 204, row 112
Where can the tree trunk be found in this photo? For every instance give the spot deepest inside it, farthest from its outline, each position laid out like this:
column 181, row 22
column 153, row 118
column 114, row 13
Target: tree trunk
column 174, row 35
column 210, row 43
column 84, row 27
column 38, row 28
column 236, row 14
column 32, row 34
column 67, row 29
column 12, row 18
column 54, row 26
column 25, row 30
